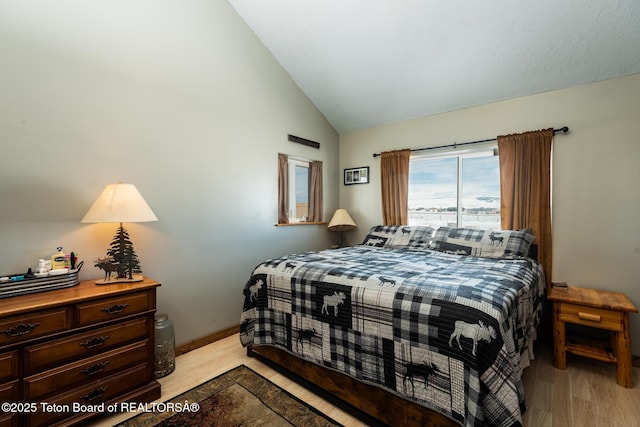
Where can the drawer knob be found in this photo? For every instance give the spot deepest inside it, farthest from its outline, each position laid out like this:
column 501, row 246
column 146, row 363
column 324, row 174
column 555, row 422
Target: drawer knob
column 115, row 308
column 95, row 393
column 588, row 316
column 94, row 342
column 95, row 369
column 21, row 329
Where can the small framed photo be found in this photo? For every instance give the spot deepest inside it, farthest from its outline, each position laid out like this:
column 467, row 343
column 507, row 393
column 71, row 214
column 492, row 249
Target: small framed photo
column 356, row 175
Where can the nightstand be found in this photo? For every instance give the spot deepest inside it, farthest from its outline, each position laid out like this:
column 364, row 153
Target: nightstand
column 593, row 308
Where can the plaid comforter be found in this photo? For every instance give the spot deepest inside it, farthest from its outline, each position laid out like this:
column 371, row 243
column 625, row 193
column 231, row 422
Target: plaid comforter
column 446, row 331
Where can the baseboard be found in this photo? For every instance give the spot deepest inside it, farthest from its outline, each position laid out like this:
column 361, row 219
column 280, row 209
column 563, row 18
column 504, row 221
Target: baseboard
column 201, row 342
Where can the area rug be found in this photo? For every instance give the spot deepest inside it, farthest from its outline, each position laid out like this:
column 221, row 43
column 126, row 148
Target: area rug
column 239, row 397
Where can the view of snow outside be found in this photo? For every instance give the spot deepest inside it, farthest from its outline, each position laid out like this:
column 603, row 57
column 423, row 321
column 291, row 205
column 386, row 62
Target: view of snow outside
column 433, row 189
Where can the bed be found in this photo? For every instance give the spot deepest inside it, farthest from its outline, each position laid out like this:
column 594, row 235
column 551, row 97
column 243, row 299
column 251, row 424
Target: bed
column 414, row 325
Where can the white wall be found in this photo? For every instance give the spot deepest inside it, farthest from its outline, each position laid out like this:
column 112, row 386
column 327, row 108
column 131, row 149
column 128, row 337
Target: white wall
column 180, row 99
column 596, row 200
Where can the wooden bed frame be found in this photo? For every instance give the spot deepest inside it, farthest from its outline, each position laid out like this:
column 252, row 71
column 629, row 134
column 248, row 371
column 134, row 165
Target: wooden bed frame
column 382, row 406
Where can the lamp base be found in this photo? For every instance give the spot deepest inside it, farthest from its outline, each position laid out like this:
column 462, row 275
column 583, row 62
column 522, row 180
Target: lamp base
column 135, row 278
column 342, row 242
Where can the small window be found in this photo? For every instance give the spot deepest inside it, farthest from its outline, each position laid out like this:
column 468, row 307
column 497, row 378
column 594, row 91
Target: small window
column 455, row 190
column 298, row 190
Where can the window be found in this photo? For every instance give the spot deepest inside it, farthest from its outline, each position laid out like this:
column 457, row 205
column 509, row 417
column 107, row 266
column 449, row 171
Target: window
column 298, row 190
column 455, row 189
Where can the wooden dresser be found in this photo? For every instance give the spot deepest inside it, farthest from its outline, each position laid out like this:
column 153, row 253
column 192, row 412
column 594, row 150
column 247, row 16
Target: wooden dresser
column 76, row 348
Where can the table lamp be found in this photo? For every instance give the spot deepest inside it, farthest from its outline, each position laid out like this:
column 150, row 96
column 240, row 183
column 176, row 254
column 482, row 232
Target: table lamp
column 340, row 222
column 120, row 203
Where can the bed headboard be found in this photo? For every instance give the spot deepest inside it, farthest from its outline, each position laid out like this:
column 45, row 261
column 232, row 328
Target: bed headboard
column 533, row 251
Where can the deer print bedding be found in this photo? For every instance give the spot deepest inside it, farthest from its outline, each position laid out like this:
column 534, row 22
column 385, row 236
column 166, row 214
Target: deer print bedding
column 444, row 330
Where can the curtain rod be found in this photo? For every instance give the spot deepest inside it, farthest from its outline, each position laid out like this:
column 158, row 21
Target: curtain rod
column 564, row 129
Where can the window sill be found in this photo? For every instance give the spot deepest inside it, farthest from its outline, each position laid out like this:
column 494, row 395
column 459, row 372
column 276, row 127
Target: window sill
column 301, row 223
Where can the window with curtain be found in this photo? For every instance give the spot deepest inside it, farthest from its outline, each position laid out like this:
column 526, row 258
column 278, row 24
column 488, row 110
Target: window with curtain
column 455, row 189
column 299, row 190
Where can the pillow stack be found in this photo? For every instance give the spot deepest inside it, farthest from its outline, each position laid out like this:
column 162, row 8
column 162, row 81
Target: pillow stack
column 460, row 241
column 483, row 243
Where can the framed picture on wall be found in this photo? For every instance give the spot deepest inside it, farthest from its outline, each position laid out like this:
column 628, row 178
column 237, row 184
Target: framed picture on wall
column 356, row 175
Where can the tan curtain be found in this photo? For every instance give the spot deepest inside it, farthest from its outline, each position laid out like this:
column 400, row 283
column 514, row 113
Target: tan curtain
column 525, row 188
column 394, row 177
column 283, row 188
column 315, row 191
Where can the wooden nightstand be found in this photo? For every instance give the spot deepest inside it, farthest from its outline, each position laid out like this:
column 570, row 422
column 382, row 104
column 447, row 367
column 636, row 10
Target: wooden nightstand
column 595, row 309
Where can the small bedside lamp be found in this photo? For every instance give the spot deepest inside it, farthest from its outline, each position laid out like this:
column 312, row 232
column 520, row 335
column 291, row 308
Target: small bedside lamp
column 120, row 203
column 340, row 222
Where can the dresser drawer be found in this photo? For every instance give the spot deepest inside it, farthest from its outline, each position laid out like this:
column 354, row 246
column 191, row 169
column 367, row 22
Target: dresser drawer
column 26, row 326
column 10, row 392
column 113, row 308
column 8, row 420
column 8, row 365
column 591, row 316
column 94, row 393
column 85, row 370
column 85, row 344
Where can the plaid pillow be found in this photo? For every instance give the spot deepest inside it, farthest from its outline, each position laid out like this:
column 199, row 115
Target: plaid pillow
column 483, row 243
column 399, row 236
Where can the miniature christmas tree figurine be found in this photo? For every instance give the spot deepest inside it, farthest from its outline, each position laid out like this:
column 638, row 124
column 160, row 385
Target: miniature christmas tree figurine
column 123, row 255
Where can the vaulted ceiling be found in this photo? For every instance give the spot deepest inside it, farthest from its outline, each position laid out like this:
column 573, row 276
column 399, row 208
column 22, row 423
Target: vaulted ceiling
column 367, row 63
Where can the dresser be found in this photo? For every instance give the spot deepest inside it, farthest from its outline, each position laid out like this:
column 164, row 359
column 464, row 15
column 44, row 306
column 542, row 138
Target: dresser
column 70, row 354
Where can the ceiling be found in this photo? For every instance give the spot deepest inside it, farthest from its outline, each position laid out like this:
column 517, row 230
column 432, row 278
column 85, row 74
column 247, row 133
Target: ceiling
column 367, row 63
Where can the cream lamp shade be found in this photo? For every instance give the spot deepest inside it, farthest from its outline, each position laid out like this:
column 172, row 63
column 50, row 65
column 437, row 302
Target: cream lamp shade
column 120, row 203
column 341, row 221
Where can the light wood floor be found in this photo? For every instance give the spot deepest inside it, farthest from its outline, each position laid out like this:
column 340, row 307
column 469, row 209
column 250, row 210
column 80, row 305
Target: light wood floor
column 584, row 395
